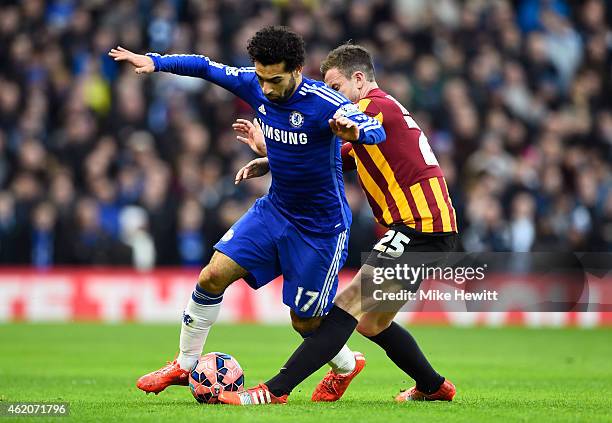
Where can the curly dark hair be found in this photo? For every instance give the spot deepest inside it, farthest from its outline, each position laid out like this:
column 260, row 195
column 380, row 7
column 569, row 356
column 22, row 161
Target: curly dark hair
column 276, row 44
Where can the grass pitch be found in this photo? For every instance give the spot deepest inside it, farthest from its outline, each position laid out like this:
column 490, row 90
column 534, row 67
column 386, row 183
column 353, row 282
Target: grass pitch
column 501, row 374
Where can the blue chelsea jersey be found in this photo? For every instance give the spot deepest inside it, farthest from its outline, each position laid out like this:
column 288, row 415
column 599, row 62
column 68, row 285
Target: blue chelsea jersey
column 304, row 155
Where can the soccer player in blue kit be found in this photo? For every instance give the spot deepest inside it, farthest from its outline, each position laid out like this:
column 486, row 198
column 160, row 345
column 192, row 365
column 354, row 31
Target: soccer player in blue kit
column 300, row 228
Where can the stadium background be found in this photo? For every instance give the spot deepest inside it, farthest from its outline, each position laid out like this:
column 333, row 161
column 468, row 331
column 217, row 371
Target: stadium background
column 101, row 167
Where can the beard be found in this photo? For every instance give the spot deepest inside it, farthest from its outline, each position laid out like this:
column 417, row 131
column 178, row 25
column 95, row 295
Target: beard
column 286, row 93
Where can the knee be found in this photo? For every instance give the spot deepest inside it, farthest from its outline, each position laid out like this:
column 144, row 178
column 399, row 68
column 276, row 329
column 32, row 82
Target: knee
column 305, row 326
column 211, row 280
column 348, row 300
column 371, row 328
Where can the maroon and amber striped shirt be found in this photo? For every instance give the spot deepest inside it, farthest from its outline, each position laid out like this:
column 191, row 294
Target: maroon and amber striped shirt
column 401, row 176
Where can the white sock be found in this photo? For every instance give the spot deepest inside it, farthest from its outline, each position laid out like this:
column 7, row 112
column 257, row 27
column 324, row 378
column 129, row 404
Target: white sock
column 343, row 362
column 197, row 321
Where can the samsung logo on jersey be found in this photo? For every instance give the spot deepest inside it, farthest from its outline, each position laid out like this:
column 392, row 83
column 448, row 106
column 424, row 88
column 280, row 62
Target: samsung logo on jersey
column 280, row 135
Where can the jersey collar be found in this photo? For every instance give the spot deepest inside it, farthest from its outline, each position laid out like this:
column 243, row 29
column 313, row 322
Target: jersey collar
column 375, row 92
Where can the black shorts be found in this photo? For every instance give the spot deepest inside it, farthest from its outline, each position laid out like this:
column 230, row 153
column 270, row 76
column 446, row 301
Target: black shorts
column 403, row 247
column 401, row 240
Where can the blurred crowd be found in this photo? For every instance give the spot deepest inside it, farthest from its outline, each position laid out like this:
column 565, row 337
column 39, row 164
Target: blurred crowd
column 101, row 166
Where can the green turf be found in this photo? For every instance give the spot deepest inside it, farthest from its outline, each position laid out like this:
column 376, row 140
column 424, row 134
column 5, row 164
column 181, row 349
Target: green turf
column 501, row 374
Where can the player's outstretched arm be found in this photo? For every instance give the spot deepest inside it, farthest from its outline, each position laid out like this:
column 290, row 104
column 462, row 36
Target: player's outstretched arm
column 251, row 134
column 254, row 169
column 237, row 80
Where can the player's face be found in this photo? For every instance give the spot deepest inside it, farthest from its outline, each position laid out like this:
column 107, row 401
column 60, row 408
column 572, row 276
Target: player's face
column 336, row 80
column 276, row 84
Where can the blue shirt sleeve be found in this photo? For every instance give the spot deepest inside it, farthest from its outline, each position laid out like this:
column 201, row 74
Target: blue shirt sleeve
column 371, row 130
column 239, row 81
column 332, row 102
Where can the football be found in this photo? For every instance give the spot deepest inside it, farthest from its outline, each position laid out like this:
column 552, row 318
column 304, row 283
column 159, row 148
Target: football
column 214, row 373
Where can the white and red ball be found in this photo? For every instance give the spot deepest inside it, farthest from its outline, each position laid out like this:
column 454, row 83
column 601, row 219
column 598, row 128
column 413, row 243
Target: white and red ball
column 214, row 373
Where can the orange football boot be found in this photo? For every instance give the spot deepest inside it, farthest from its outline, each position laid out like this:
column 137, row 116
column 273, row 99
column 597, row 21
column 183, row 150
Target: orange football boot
column 157, row 381
column 446, row 392
column 259, row 395
column 333, row 385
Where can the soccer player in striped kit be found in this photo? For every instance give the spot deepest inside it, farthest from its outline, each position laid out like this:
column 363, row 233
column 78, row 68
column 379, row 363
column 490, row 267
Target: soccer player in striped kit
column 406, row 189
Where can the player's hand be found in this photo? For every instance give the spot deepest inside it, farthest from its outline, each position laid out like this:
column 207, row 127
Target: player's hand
column 251, row 134
column 254, row 169
column 142, row 63
column 344, row 128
